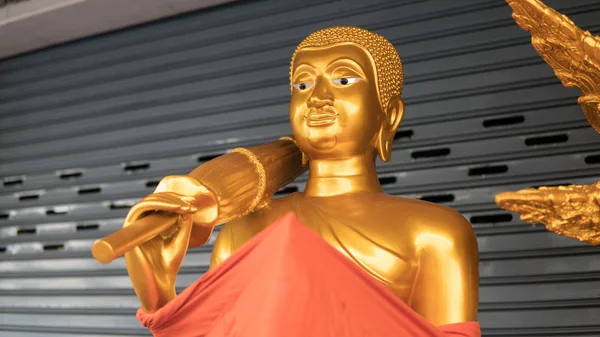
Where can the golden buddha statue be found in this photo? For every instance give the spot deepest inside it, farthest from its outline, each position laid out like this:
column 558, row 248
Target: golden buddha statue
column 574, row 54
column 346, row 105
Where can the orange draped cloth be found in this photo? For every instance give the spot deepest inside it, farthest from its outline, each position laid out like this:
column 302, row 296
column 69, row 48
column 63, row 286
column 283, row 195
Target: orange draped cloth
column 288, row 282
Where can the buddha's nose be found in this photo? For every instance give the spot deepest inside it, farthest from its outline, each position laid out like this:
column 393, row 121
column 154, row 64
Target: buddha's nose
column 320, row 96
column 319, row 103
column 320, row 100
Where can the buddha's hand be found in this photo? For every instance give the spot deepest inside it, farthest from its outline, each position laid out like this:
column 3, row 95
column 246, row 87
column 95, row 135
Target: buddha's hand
column 153, row 265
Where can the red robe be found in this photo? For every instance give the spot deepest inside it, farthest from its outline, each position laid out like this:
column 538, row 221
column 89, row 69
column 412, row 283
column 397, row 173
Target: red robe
column 288, row 282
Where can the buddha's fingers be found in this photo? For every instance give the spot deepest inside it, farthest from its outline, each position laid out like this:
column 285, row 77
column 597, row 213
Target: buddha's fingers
column 163, row 201
column 175, row 246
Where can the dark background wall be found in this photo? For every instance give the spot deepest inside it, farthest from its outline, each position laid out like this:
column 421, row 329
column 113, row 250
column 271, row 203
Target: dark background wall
column 88, row 128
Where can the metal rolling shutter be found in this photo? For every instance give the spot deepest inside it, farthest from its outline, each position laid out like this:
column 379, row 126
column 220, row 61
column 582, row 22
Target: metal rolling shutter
column 88, row 128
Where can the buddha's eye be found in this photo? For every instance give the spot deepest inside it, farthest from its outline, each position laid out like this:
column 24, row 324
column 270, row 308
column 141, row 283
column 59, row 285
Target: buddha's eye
column 303, row 85
column 346, row 80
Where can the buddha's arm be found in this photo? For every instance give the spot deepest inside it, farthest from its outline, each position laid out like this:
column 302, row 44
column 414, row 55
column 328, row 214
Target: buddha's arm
column 222, row 248
column 240, row 182
column 446, row 289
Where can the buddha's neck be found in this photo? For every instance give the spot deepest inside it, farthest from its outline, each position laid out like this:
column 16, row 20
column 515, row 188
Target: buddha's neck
column 331, row 177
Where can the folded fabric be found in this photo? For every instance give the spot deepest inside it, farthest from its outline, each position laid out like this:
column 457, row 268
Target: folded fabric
column 288, row 282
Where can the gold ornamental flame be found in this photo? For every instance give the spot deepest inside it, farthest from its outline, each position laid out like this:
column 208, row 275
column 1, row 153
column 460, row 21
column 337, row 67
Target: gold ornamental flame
column 574, row 55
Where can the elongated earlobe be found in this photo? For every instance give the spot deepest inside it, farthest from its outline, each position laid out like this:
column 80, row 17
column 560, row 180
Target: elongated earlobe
column 393, row 116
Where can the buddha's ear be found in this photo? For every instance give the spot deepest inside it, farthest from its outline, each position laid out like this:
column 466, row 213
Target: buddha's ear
column 394, row 112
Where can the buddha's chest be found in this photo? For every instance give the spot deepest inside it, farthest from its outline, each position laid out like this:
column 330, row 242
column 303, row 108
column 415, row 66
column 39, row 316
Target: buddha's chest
column 369, row 241
column 386, row 257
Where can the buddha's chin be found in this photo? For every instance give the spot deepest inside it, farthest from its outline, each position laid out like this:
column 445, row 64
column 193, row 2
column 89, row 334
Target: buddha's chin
column 320, row 142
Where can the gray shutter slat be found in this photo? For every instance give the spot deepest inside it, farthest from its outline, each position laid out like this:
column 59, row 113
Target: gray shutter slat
column 243, row 16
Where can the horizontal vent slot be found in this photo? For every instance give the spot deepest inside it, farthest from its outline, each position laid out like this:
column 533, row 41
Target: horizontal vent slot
column 92, row 227
column 387, row 180
column 546, row 140
column 89, row 190
column 485, row 170
column 66, row 175
column 504, row 121
column 152, row 183
column 136, row 167
column 29, row 197
column 401, row 134
column 432, row 153
column 13, row 182
column 54, row 247
column 491, row 218
column 439, row 198
column 591, row 160
column 26, row 231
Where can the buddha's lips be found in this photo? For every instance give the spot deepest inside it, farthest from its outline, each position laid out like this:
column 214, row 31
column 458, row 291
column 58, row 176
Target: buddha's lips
column 320, row 118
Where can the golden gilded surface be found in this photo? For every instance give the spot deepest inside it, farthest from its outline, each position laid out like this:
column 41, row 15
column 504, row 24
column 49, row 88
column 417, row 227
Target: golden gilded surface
column 574, row 55
column 425, row 253
column 572, row 211
column 389, row 73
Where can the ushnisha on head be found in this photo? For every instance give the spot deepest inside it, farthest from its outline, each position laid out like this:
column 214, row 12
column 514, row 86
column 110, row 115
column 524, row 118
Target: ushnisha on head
column 346, row 85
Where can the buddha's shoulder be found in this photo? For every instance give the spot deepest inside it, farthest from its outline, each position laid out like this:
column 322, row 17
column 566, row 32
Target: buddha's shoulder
column 266, row 214
column 420, row 216
column 402, row 204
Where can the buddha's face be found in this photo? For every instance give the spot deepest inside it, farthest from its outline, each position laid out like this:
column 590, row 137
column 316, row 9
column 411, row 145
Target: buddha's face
column 335, row 110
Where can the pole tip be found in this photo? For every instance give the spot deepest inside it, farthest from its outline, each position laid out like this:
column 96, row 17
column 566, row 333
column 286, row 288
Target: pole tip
column 102, row 251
